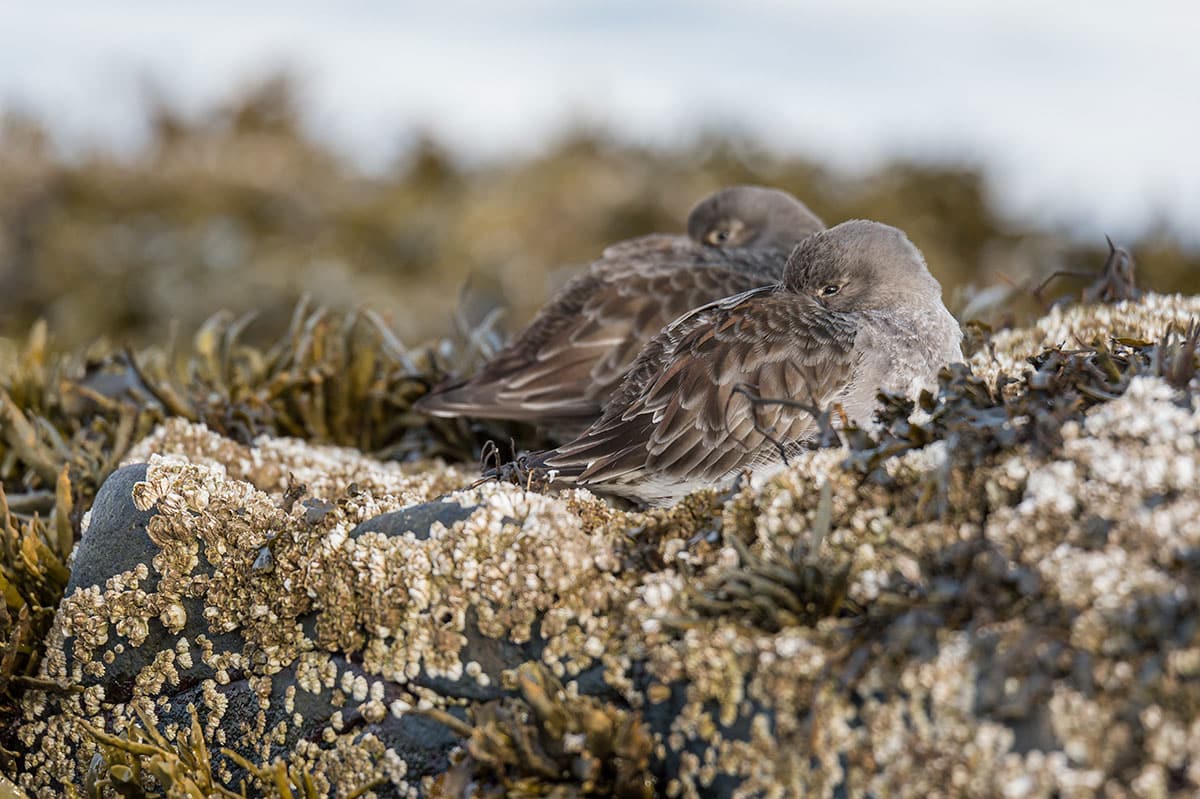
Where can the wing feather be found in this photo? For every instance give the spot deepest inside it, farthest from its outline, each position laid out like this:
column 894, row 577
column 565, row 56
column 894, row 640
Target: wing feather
column 572, row 357
column 678, row 415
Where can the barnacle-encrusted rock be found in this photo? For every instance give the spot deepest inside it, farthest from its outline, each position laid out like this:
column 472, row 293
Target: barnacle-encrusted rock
column 996, row 594
column 1072, row 326
column 228, row 608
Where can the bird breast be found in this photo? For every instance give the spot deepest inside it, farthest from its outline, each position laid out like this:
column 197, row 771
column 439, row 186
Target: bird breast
column 903, row 351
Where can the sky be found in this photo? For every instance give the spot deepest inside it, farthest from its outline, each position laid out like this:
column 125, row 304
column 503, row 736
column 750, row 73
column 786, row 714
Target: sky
column 1086, row 114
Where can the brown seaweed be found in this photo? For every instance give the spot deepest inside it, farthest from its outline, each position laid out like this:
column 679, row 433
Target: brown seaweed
column 548, row 744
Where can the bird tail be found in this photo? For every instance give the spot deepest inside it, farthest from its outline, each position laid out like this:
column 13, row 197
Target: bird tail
column 465, row 398
column 449, row 400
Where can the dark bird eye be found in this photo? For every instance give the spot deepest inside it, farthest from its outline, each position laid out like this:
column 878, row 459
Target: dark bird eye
column 829, row 291
column 718, row 236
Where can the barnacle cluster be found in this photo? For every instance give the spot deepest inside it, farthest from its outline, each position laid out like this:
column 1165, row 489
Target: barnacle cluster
column 400, row 610
column 67, row 421
column 1070, row 327
column 992, row 593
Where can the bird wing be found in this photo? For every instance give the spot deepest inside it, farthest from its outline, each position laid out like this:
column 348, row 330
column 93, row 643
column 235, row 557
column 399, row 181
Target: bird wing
column 573, row 355
column 679, row 413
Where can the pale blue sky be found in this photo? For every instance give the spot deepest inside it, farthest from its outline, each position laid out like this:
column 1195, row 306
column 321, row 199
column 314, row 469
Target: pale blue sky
column 1086, row 113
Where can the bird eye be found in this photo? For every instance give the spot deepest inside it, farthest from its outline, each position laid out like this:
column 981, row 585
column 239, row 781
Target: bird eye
column 829, row 291
column 718, row 237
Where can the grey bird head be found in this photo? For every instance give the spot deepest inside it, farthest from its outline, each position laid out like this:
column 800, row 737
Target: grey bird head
column 861, row 265
column 751, row 216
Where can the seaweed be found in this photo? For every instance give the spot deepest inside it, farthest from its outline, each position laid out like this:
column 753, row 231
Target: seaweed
column 794, row 587
column 1114, row 282
column 33, row 576
column 141, row 764
column 544, row 742
column 238, row 206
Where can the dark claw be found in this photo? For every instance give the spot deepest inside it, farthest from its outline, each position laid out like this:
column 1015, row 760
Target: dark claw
column 518, row 470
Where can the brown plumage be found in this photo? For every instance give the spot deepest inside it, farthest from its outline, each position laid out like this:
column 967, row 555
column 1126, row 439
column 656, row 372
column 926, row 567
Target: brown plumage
column 561, row 369
column 856, row 312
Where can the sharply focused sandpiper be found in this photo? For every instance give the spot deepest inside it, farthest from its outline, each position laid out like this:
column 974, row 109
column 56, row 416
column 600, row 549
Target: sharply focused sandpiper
column 562, row 368
column 856, row 312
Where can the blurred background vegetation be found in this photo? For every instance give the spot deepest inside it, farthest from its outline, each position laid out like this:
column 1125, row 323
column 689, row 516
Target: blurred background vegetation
column 238, row 208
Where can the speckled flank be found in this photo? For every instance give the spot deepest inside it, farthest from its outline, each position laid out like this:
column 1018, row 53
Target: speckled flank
column 1036, row 638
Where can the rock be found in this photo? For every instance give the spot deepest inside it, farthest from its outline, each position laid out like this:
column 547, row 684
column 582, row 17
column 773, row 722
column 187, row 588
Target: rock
column 997, row 595
column 231, row 671
column 116, row 539
column 416, row 519
column 117, row 543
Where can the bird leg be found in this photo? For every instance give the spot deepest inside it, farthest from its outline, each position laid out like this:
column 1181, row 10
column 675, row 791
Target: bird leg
column 517, row 470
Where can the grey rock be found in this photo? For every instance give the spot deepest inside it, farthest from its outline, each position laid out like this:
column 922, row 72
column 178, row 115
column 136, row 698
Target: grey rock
column 416, row 519
column 116, row 539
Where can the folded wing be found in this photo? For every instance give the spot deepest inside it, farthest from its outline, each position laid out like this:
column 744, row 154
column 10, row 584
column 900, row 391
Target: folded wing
column 679, row 414
column 572, row 357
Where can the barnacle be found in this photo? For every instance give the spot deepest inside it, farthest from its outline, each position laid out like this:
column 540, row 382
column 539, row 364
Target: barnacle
column 991, row 589
column 68, row 421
